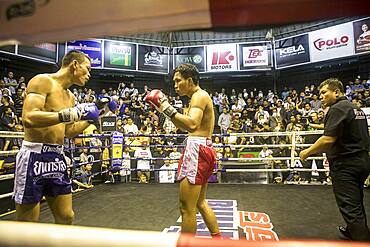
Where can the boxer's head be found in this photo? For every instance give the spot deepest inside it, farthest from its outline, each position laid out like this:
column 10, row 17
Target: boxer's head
column 79, row 65
column 185, row 76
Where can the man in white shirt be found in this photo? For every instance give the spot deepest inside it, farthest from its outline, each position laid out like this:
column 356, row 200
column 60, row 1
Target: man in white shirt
column 145, row 154
column 167, row 176
column 224, row 120
column 130, row 127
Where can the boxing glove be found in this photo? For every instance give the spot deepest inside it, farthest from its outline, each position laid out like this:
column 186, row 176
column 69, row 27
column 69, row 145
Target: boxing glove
column 160, row 102
column 107, row 101
column 86, row 111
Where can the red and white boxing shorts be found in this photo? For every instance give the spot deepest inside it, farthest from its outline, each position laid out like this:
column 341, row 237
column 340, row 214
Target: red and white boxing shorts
column 198, row 160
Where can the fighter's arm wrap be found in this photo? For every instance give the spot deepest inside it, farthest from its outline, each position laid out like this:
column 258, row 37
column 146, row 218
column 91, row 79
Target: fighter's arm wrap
column 168, row 110
column 69, row 115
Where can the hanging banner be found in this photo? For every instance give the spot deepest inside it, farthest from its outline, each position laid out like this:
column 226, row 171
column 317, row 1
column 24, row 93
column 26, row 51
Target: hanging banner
column 119, row 55
column 361, row 32
column 332, row 42
column 117, row 147
column 292, row 51
column 42, row 51
column 254, row 56
column 93, row 48
column 153, row 58
column 192, row 55
column 221, row 57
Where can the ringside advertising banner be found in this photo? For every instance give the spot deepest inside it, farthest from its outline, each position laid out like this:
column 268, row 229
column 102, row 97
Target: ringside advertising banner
column 222, row 57
column 254, row 56
column 119, row 55
column 93, row 48
column 292, row 51
column 332, row 42
column 153, row 58
column 361, row 32
column 42, row 51
column 193, row 55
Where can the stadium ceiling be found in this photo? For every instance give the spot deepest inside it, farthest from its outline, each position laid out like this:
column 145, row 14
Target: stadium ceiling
column 34, row 21
column 229, row 35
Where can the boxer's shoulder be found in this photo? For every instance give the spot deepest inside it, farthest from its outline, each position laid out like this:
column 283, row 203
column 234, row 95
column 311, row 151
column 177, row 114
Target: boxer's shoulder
column 40, row 83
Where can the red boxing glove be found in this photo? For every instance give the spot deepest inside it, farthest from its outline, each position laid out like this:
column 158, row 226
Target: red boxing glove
column 160, row 102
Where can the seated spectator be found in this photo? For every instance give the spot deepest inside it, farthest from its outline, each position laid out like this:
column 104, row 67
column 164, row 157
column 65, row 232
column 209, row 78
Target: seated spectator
column 126, row 163
column 10, row 82
column 143, row 154
column 169, row 126
column 236, row 125
column 228, row 153
column 315, row 103
column 261, row 115
column 167, row 176
column 7, row 123
column 83, row 172
column 130, row 127
column 224, row 120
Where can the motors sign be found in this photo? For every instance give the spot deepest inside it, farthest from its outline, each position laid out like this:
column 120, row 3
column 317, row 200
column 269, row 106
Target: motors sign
column 221, row 58
column 332, row 42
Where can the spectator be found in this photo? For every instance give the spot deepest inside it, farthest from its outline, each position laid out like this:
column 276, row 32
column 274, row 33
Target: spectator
column 10, row 82
column 143, row 154
column 167, row 176
column 130, row 127
column 224, row 121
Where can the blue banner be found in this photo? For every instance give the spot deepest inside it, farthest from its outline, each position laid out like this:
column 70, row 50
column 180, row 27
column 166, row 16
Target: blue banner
column 93, row 48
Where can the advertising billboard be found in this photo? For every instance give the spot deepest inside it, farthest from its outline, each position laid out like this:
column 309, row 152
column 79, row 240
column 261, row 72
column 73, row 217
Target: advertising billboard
column 361, row 32
column 332, row 42
column 292, row 51
column 41, row 51
column 193, row 55
column 93, row 48
column 221, row 58
column 119, row 55
column 254, row 56
column 153, row 58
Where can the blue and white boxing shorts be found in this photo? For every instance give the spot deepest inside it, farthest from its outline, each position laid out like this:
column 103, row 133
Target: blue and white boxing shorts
column 40, row 169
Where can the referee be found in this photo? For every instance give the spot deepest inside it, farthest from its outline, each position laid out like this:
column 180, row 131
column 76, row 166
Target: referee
column 346, row 144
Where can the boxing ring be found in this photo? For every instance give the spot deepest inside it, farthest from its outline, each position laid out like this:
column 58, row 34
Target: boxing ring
column 255, row 212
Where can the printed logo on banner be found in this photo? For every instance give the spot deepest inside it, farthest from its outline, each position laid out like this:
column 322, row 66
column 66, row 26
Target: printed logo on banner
column 332, row 42
column 120, row 55
column 292, row 51
column 255, row 56
column 93, row 48
column 221, row 57
column 192, row 55
column 361, row 33
column 234, row 224
column 108, row 123
column 153, row 58
column 193, row 59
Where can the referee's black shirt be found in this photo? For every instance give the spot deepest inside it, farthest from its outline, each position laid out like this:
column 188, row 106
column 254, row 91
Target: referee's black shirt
column 348, row 123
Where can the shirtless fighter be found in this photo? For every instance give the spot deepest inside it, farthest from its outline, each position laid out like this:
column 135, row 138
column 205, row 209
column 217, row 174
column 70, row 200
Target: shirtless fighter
column 197, row 162
column 49, row 114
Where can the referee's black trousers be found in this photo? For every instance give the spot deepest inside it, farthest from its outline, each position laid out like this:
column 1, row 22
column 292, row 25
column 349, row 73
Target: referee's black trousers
column 348, row 177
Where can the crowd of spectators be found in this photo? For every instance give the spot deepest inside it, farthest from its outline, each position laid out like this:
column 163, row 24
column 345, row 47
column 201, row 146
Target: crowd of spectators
column 237, row 111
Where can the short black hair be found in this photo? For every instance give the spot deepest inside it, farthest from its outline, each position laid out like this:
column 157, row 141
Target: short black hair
column 333, row 84
column 74, row 55
column 188, row 70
